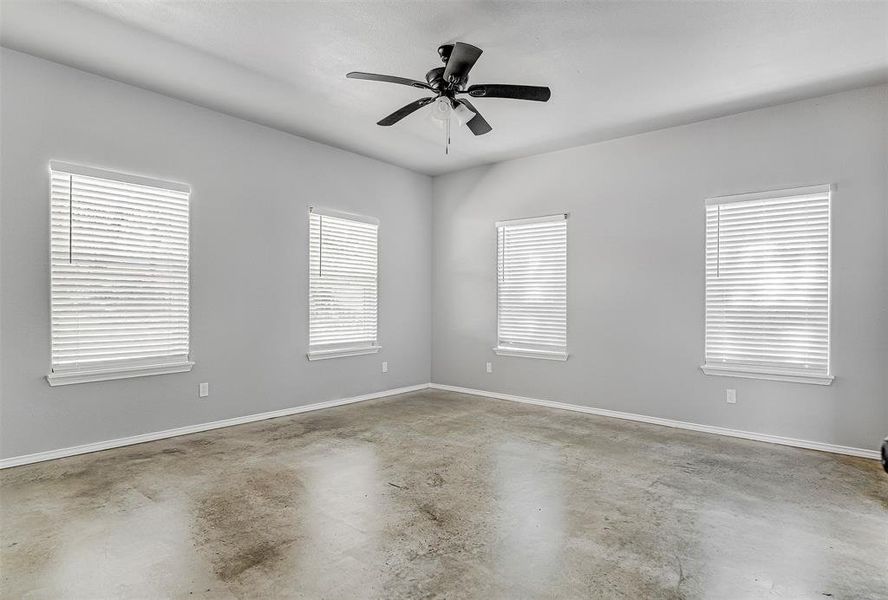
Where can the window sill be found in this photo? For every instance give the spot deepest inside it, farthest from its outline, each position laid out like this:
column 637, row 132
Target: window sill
column 773, row 375
column 71, row 377
column 341, row 352
column 526, row 353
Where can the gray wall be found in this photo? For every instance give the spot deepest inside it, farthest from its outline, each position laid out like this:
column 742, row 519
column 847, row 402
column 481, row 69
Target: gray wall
column 251, row 190
column 635, row 267
column 635, row 263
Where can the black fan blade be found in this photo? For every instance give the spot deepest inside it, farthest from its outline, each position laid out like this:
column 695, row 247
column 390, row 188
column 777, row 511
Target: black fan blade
column 477, row 124
column 462, row 59
column 387, row 79
column 404, row 111
column 518, row 92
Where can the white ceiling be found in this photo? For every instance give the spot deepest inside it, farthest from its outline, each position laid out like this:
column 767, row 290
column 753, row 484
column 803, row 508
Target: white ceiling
column 614, row 68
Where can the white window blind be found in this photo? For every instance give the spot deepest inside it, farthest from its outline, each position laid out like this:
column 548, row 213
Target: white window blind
column 532, row 287
column 342, row 284
column 767, row 285
column 119, row 275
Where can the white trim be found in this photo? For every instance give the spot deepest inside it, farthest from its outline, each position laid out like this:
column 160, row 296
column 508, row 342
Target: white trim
column 340, row 352
column 341, row 214
column 70, row 377
column 528, row 353
column 531, row 220
column 26, row 459
column 36, row 457
column 803, row 193
column 772, row 375
column 72, row 169
column 737, row 433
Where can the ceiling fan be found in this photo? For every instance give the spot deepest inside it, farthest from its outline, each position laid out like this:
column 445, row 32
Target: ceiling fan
column 447, row 83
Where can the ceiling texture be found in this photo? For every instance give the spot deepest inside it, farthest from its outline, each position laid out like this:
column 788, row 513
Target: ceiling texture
column 615, row 68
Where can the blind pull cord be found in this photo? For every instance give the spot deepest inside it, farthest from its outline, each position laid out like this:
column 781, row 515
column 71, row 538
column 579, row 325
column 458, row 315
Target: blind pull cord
column 718, row 239
column 70, row 218
column 321, row 247
column 503, row 258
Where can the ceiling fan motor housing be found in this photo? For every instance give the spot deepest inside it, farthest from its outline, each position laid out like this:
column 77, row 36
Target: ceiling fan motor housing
column 435, row 79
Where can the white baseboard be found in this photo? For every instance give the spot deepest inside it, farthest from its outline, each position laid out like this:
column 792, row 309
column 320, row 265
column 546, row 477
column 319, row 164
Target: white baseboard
column 168, row 433
column 747, row 435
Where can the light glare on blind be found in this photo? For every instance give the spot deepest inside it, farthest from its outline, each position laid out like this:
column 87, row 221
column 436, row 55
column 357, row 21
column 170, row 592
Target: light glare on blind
column 119, row 271
column 532, row 286
column 342, row 282
column 767, row 282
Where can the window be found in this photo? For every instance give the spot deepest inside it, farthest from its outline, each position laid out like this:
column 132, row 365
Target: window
column 119, row 275
column 531, row 316
column 767, row 285
column 342, row 284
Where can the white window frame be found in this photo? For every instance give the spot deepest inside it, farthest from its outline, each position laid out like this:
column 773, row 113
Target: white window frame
column 340, row 351
column 147, row 366
column 773, row 373
column 504, row 347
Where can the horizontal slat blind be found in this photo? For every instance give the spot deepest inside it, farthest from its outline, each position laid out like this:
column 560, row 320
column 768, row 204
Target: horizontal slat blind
column 767, row 283
column 532, row 284
column 342, row 282
column 119, row 269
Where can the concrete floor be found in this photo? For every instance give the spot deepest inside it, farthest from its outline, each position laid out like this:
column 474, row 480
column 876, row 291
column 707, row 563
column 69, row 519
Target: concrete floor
column 440, row 495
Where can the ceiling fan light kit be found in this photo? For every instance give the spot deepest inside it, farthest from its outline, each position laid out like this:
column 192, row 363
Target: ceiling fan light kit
column 463, row 113
column 441, row 108
column 449, row 81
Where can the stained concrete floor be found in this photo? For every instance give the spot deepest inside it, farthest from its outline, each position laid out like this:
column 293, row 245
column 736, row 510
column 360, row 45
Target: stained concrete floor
column 440, row 495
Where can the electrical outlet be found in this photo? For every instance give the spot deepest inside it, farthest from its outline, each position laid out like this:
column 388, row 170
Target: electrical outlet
column 385, row 366
column 204, row 390
column 490, row 367
column 731, row 396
